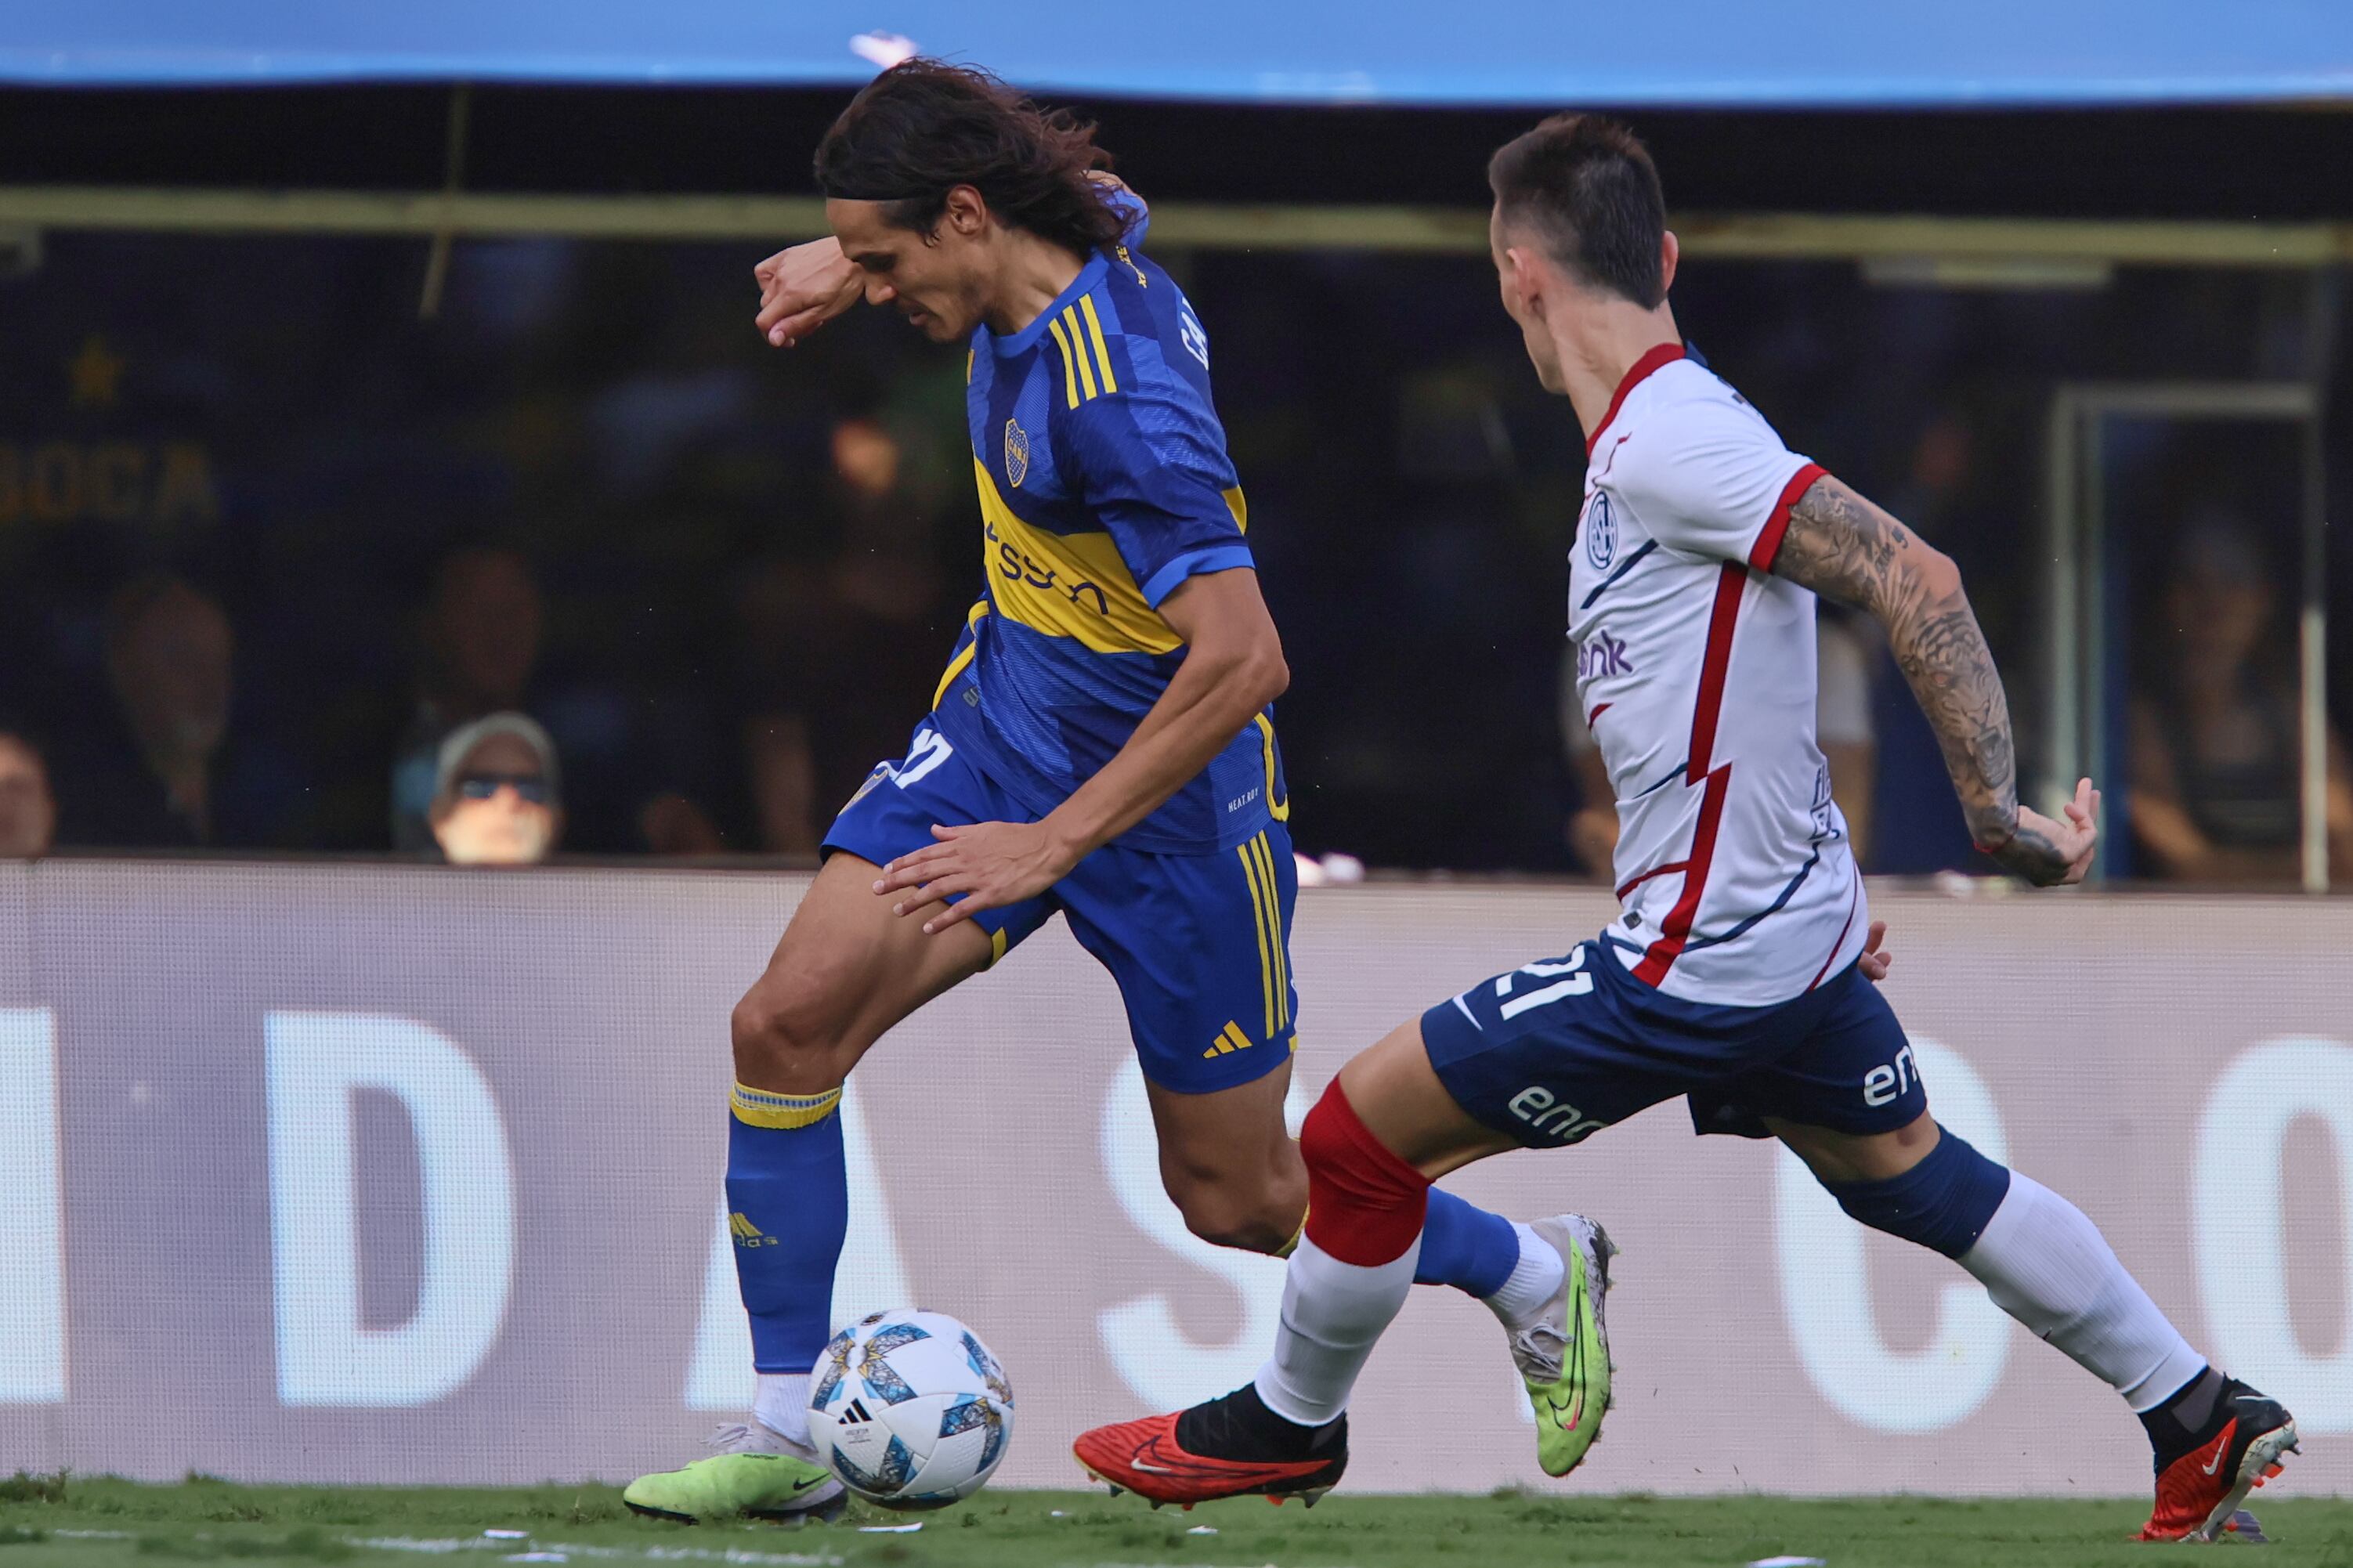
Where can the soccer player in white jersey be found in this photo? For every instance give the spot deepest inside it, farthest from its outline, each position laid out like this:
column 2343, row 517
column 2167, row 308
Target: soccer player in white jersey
column 1731, row 975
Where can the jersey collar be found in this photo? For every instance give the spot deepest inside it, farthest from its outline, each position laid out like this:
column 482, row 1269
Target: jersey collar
column 1025, row 339
column 1652, row 358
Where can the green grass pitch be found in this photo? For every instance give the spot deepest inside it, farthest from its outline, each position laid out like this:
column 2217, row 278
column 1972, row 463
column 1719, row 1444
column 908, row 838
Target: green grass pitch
column 75, row 1522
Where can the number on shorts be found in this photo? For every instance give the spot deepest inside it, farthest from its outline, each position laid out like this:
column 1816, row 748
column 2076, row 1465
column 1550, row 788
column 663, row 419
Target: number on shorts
column 929, row 749
column 1576, row 985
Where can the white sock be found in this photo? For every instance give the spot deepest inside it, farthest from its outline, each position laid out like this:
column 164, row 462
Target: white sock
column 2047, row 1265
column 1332, row 1315
column 782, row 1405
column 1533, row 1279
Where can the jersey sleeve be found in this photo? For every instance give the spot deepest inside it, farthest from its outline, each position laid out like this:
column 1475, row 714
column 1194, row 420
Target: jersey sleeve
column 1154, row 472
column 1713, row 480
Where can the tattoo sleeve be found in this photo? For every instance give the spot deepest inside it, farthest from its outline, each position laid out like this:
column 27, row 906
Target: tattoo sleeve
column 1844, row 547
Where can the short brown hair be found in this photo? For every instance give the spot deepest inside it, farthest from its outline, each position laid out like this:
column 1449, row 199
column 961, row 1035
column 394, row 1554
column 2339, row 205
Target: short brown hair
column 1587, row 184
column 924, row 127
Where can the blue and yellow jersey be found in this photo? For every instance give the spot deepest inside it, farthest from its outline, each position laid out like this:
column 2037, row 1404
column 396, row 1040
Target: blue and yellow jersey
column 1105, row 484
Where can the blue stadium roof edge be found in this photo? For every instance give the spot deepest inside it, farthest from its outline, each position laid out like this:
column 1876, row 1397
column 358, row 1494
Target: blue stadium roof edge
column 1693, row 53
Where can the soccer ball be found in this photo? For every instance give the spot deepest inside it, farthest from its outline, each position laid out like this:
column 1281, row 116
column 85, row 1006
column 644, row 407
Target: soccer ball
column 910, row 1410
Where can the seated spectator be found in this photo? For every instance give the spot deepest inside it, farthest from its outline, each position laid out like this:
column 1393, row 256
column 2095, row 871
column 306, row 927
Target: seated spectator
column 2216, row 759
column 28, row 812
column 497, row 797
column 479, row 638
column 145, row 777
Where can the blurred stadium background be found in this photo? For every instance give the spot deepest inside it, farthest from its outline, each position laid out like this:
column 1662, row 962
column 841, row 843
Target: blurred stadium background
column 365, row 374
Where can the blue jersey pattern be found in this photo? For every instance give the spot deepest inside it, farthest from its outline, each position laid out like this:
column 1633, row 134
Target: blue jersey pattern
column 1103, row 484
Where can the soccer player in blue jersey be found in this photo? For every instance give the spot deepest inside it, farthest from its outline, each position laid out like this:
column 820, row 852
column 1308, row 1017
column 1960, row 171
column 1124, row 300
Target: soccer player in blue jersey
column 1101, row 743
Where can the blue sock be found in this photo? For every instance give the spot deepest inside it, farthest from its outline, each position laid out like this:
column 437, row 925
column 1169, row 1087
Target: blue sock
column 1944, row 1202
column 788, row 1202
column 1465, row 1246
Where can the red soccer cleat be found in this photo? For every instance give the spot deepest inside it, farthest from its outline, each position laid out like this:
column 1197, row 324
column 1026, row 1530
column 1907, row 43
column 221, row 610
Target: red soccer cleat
column 2199, row 1493
column 1233, row 1447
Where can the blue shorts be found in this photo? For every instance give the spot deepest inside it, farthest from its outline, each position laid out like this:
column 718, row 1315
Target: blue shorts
column 1553, row 1052
column 1198, row 943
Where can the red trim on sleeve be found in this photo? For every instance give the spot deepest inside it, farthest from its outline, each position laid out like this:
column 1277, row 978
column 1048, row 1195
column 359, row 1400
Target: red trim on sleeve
column 1769, row 542
column 1598, row 709
column 1676, row 929
column 1664, row 353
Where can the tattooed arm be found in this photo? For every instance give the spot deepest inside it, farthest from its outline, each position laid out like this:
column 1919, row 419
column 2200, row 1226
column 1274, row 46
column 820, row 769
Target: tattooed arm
column 1843, row 547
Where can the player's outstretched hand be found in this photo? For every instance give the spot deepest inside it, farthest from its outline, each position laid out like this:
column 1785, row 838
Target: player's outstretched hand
column 991, row 864
column 2051, row 854
column 803, row 287
column 1873, row 962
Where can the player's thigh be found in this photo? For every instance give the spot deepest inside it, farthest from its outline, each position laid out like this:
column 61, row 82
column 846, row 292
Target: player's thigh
column 1399, row 1096
column 1198, row 945
column 1844, row 1158
column 848, row 968
column 1539, row 1057
column 1228, row 1161
column 1847, row 1096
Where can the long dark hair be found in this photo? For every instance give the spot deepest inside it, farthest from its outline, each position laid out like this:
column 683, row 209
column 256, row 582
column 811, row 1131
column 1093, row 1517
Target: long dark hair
column 924, row 127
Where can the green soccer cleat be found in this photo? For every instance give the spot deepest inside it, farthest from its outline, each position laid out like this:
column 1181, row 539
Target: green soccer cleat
column 756, row 1473
column 1563, row 1351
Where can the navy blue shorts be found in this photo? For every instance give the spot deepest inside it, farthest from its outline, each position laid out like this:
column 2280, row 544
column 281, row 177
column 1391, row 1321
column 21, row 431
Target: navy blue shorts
column 1198, row 943
column 1553, row 1052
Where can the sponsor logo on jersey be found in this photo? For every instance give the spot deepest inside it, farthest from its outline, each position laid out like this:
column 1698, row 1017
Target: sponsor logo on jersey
column 1600, row 532
column 1017, row 453
column 1602, row 654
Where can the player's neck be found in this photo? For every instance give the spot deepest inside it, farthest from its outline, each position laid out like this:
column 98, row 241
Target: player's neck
column 1032, row 274
column 1598, row 348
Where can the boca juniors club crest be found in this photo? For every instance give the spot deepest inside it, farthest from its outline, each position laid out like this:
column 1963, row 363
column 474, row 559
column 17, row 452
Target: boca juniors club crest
column 1017, row 453
column 1600, row 532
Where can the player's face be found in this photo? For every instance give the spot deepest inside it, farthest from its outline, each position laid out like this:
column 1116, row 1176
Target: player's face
column 931, row 278
column 1522, row 288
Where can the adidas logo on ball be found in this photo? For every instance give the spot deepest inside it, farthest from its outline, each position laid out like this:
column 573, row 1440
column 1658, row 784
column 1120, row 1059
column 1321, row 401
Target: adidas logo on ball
column 855, row 1413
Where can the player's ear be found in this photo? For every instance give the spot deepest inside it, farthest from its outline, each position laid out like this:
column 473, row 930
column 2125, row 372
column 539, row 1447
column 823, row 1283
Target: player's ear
column 965, row 212
column 1668, row 252
column 1524, row 280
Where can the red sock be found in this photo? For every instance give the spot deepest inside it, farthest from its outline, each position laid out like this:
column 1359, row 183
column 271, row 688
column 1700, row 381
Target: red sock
column 1365, row 1204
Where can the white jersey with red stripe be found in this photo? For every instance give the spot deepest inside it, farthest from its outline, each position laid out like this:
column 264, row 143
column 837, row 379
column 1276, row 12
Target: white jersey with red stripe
column 1695, row 670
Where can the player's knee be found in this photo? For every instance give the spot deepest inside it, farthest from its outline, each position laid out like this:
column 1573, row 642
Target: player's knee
column 782, row 1041
column 1365, row 1202
column 1943, row 1202
column 1257, row 1214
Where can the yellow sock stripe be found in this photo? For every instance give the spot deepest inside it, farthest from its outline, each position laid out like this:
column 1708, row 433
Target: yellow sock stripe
column 758, row 1108
column 1258, row 908
column 1070, row 317
column 1094, row 331
column 1274, row 918
column 1069, row 367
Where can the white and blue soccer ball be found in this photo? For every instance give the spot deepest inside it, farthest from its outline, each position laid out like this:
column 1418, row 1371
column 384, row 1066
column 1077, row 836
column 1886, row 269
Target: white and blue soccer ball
column 910, row 1410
